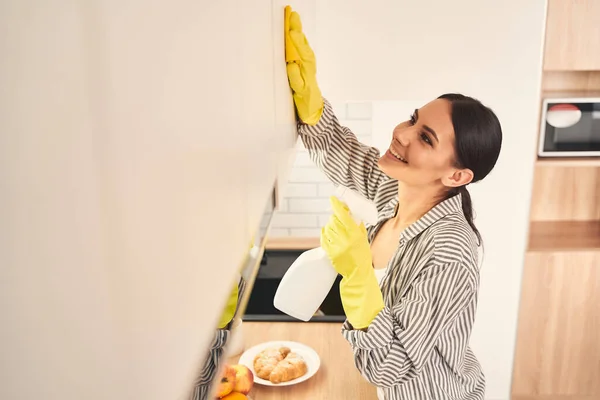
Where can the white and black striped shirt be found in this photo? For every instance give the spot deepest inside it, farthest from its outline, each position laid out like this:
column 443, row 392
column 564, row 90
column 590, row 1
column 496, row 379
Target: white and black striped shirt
column 417, row 346
column 211, row 365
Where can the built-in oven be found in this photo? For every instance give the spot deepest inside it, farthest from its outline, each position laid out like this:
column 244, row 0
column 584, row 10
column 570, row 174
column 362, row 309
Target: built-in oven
column 570, row 125
column 273, row 266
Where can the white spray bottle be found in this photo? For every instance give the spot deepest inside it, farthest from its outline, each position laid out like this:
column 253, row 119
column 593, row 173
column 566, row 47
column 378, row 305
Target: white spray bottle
column 309, row 279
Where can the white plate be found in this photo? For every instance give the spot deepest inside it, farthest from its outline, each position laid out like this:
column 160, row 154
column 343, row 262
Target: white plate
column 313, row 362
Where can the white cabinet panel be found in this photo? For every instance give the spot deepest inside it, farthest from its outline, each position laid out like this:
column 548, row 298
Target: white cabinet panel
column 139, row 142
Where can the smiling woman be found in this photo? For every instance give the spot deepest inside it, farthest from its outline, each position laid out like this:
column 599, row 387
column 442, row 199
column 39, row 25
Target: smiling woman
column 449, row 143
column 409, row 323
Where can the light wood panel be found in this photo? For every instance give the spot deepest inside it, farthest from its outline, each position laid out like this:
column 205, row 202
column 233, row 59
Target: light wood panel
column 566, row 193
column 570, row 80
column 337, row 377
column 558, row 349
column 293, row 243
column 572, row 35
column 569, row 162
column 564, row 235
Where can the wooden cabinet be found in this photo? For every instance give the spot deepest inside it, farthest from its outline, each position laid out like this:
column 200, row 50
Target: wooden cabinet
column 557, row 354
column 572, row 35
column 559, row 326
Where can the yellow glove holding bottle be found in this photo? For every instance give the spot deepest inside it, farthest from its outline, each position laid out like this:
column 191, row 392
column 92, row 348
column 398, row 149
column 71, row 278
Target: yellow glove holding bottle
column 347, row 245
column 230, row 308
column 301, row 70
column 232, row 300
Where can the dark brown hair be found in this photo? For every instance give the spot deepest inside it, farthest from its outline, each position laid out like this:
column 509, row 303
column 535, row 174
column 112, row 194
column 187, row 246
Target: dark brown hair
column 478, row 139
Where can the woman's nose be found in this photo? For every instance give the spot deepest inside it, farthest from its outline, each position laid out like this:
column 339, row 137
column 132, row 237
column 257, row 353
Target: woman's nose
column 402, row 136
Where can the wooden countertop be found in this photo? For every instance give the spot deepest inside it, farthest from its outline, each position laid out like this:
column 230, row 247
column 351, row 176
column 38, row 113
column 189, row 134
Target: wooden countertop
column 337, row 378
column 292, row 243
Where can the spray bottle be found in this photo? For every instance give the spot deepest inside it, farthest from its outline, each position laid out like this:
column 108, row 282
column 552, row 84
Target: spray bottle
column 309, row 279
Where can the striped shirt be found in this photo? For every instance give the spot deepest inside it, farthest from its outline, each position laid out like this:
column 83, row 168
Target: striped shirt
column 205, row 381
column 417, row 347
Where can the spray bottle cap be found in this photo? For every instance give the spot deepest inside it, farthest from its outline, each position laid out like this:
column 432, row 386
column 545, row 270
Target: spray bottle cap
column 361, row 208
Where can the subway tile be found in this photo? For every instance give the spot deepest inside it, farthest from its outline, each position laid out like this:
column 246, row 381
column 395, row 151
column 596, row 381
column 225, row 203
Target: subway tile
column 302, row 159
column 323, row 219
column 283, row 205
column 305, row 232
column 359, row 110
column 300, row 144
column 326, row 189
column 340, row 110
column 294, row 220
column 309, row 206
column 279, row 232
column 365, row 139
column 292, row 190
column 358, row 126
column 306, row 175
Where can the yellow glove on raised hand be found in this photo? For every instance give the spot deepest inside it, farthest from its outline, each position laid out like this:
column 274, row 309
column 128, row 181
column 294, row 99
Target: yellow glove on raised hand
column 301, row 70
column 347, row 245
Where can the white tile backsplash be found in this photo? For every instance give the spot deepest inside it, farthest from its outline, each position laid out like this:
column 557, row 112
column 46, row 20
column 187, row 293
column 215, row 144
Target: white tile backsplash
column 359, row 111
column 295, row 190
column 305, row 207
column 325, row 189
column 303, row 160
column 311, row 206
column 307, row 175
column 294, row 220
column 323, row 219
column 279, row 232
column 360, row 127
column 315, row 232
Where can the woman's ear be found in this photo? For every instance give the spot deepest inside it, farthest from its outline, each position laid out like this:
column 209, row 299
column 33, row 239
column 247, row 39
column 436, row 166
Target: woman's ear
column 458, row 177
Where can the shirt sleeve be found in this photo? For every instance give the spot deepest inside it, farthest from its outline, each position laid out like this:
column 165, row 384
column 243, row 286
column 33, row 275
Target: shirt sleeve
column 400, row 340
column 204, row 381
column 339, row 154
column 210, row 366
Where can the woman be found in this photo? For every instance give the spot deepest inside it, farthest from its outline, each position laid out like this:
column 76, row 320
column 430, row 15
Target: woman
column 410, row 282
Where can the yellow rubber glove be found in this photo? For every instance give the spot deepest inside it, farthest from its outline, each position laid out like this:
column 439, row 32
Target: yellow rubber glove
column 231, row 305
column 301, row 70
column 347, row 245
column 230, row 308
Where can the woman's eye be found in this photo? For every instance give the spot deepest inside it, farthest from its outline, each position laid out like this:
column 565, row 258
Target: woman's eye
column 426, row 139
column 413, row 120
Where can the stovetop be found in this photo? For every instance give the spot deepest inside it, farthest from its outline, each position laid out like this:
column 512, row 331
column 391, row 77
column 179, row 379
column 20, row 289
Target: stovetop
column 273, row 266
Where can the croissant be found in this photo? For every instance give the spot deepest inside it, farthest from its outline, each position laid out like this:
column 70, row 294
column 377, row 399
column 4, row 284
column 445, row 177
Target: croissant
column 267, row 360
column 291, row 367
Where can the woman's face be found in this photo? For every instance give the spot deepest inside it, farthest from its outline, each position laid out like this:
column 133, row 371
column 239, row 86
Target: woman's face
column 421, row 152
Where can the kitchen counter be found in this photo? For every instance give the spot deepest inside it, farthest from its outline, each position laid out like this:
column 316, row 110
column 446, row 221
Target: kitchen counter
column 337, row 378
column 293, row 243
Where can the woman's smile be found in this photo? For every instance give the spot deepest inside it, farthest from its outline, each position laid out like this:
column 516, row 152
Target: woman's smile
column 391, row 153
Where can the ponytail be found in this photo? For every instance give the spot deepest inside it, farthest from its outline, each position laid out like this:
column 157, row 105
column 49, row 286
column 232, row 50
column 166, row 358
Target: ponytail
column 467, row 208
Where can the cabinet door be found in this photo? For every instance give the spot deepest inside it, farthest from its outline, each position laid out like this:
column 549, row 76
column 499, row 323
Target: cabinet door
column 139, row 142
column 557, row 351
column 572, row 35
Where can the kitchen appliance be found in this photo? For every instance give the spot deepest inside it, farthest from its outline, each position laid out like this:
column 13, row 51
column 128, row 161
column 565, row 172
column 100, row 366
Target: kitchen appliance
column 310, row 278
column 274, row 265
column 570, row 125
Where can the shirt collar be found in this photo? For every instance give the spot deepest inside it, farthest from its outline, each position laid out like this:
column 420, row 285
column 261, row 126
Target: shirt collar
column 446, row 207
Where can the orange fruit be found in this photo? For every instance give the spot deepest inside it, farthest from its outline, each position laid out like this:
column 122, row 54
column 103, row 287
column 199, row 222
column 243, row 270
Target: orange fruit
column 235, row 396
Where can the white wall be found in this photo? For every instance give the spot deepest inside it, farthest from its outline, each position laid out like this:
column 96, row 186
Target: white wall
column 399, row 55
